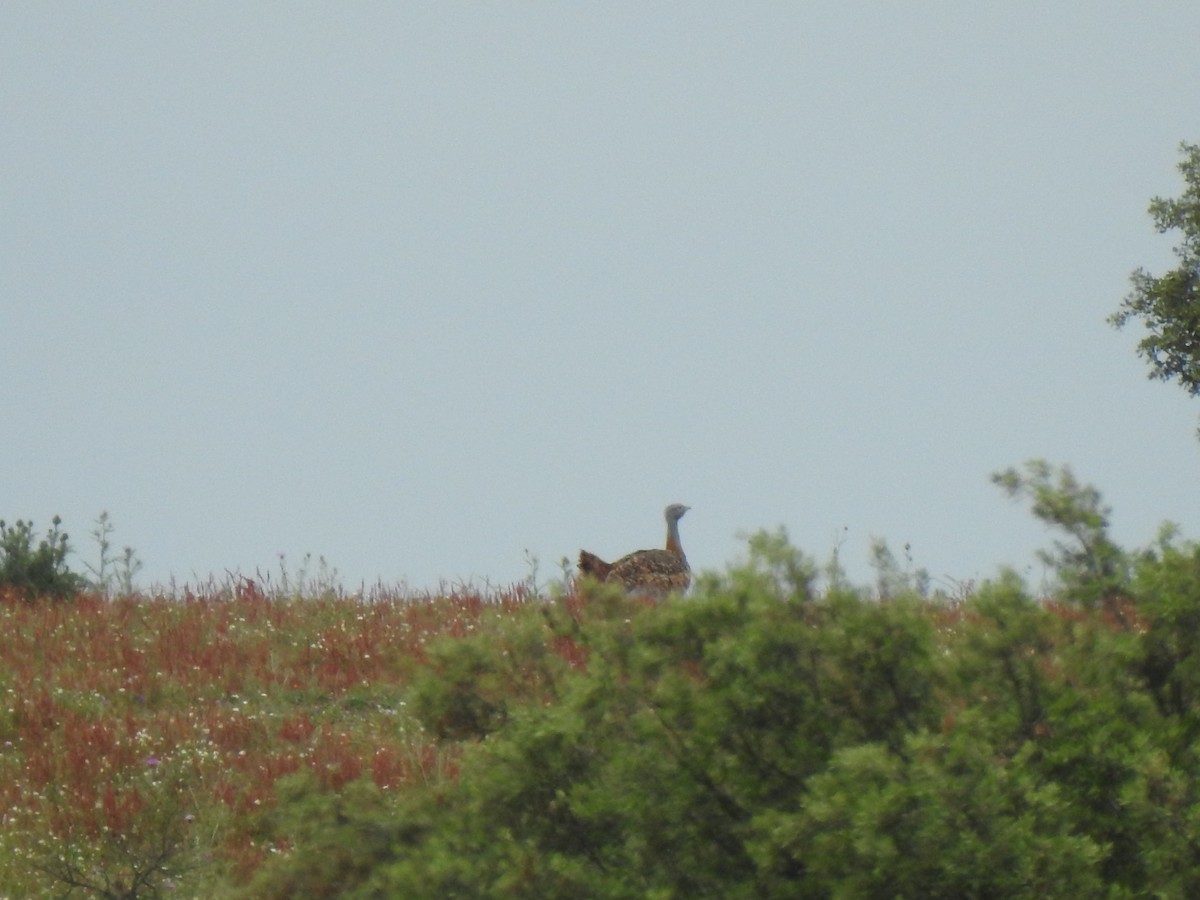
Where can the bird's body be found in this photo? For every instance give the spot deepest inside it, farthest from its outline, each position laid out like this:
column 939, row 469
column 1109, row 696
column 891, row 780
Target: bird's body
column 652, row 571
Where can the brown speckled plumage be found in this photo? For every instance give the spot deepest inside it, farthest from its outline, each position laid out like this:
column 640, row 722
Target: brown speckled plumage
column 651, row 571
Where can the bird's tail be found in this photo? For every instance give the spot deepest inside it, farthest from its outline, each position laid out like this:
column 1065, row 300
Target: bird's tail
column 591, row 564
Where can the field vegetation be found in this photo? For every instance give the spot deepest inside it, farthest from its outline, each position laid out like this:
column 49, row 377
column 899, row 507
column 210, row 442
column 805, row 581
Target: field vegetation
column 141, row 736
column 777, row 733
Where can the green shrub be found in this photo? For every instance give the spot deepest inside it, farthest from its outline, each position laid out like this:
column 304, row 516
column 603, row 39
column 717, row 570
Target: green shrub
column 944, row 818
column 469, row 683
column 1090, row 567
column 341, row 838
column 39, row 571
column 645, row 772
column 1166, row 589
column 759, row 740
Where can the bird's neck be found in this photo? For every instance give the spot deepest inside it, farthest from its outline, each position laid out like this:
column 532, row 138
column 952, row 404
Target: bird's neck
column 673, row 544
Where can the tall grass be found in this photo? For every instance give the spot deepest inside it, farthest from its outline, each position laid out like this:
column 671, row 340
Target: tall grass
column 140, row 736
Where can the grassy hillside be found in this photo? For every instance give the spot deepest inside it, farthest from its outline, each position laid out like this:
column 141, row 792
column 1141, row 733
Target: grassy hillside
column 774, row 734
column 141, row 736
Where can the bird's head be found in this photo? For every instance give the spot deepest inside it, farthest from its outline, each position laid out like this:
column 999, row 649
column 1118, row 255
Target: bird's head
column 675, row 511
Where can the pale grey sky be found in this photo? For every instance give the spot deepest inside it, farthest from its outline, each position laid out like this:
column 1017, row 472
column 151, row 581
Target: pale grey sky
column 421, row 286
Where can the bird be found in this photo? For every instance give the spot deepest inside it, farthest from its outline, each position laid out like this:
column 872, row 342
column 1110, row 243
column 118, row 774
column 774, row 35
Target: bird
column 646, row 571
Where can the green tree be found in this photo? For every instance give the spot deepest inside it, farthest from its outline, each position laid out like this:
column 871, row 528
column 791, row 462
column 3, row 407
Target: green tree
column 1166, row 588
column 1091, row 567
column 1168, row 305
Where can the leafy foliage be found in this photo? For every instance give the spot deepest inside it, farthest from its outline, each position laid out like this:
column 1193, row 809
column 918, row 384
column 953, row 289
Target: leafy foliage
column 1168, row 305
column 1091, row 567
column 39, row 571
column 761, row 740
column 942, row 819
column 1167, row 587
